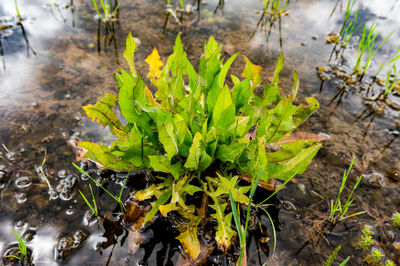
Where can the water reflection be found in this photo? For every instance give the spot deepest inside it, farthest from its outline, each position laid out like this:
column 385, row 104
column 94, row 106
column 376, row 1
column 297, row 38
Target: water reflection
column 107, row 39
column 64, row 11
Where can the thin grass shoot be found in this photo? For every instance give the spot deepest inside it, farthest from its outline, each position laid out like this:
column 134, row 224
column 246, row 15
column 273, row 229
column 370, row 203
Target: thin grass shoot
column 22, row 248
column 337, row 210
column 93, row 208
column 117, row 199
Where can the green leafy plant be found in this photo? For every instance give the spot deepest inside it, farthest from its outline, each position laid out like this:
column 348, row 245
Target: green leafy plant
column 396, row 219
column 22, row 248
column 374, row 257
column 94, row 207
column 338, row 211
column 388, row 263
column 366, row 238
column 194, row 134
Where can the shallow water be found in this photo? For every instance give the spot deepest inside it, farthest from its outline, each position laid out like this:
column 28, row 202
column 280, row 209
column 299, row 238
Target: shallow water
column 40, row 110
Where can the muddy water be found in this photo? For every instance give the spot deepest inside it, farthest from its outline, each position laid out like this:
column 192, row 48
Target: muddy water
column 59, row 58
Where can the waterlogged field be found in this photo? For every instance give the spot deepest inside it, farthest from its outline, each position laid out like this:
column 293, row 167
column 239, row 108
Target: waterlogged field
column 166, row 175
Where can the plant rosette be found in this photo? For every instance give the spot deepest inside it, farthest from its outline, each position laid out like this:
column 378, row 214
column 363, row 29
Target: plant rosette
column 192, row 135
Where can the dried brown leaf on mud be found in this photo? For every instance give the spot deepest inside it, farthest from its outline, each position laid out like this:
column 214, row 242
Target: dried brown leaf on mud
column 135, row 214
column 134, row 217
column 202, row 211
column 295, row 136
column 272, row 184
column 79, row 151
column 302, row 135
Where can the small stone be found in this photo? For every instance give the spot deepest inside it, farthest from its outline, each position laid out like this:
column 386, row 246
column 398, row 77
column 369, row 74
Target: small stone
column 373, row 180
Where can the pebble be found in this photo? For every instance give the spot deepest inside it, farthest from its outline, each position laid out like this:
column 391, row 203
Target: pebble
column 67, row 244
column 373, row 180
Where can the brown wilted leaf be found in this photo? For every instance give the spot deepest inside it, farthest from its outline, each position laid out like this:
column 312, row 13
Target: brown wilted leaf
column 302, row 135
column 298, row 135
column 79, row 151
column 135, row 214
column 272, row 184
column 202, row 211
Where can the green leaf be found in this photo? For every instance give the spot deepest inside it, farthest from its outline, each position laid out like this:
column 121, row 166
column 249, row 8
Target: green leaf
column 242, row 93
column 163, row 164
column 193, row 160
column 229, row 152
column 278, row 68
column 224, row 70
column 240, row 127
column 225, row 186
column 260, row 161
column 252, row 71
column 105, row 116
column 224, row 110
column 98, row 154
column 288, row 150
column 295, row 165
column 296, row 84
column 210, row 47
column 282, row 120
column 129, row 51
column 156, row 204
column 169, row 140
column 205, row 160
column 183, row 134
column 131, row 99
column 303, row 112
column 181, row 128
column 271, row 94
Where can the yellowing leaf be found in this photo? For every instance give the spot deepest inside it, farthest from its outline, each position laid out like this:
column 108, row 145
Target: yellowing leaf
column 252, row 71
column 98, row 154
column 224, row 233
column 154, row 64
column 105, row 116
column 151, row 98
column 188, row 236
column 165, row 209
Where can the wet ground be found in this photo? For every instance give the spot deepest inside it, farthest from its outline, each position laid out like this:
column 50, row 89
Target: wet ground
column 59, row 58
